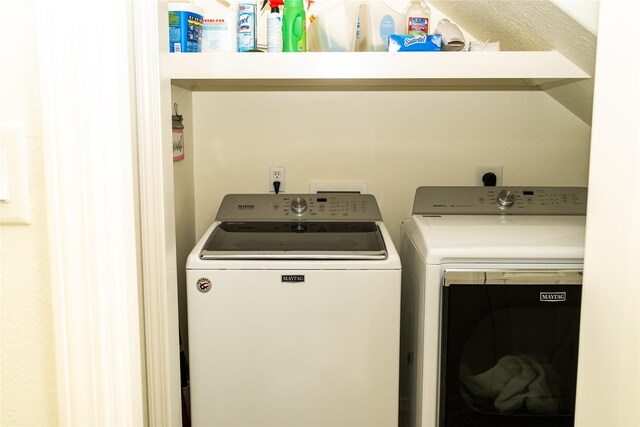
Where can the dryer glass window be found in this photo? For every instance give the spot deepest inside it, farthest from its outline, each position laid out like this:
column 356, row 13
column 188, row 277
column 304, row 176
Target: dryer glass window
column 510, row 354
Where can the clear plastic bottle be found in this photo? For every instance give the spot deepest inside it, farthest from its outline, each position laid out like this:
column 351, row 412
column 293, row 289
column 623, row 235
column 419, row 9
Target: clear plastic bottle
column 418, row 17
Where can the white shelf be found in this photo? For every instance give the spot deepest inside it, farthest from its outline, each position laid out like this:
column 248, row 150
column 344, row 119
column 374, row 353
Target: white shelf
column 380, row 70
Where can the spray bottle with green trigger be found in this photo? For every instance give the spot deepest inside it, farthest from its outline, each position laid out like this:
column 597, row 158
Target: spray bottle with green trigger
column 274, row 25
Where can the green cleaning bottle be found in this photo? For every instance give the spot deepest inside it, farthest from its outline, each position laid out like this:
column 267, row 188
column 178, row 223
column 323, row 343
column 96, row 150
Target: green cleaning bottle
column 294, row 31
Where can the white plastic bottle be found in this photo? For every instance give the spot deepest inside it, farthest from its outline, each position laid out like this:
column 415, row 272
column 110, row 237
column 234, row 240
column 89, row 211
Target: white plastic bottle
column 274, row 27
column 247, row 20
column 418, row 17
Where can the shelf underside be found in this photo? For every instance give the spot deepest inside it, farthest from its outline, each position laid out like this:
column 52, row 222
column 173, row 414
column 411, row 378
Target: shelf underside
column 370, row 70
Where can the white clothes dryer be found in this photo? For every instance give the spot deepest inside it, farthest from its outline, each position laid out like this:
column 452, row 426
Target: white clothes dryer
column 491, row 287
column 294, row 313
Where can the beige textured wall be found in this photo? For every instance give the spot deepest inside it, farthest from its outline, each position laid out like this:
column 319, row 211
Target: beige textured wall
column 536, row 25
column 395, row 141
column 28, row 384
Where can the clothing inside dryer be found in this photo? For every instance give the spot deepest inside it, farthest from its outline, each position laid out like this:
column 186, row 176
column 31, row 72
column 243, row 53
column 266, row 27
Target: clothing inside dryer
column 521, row 361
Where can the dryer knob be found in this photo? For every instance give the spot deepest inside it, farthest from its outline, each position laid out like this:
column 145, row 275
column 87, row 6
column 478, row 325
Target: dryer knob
column 299, row 205
column 506, row 198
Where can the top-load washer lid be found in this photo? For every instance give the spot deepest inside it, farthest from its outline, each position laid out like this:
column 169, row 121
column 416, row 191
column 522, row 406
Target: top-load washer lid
column 293, row 240
column 311, row 226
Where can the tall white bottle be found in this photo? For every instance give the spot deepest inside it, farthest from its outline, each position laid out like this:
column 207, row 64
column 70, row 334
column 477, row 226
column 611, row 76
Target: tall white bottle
column 274, row 27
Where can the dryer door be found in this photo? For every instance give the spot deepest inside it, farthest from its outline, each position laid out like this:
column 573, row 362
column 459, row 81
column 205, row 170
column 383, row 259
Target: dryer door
column 509, row 348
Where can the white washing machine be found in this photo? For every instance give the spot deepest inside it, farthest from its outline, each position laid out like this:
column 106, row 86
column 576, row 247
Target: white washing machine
column 294, row 313
column 491, row 286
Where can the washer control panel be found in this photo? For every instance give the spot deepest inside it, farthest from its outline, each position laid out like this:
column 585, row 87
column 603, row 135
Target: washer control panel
column 287, row 207
column 500, row 201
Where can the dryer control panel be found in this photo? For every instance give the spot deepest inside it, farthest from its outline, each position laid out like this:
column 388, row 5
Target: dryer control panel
column 287, row 207
column 500, row 201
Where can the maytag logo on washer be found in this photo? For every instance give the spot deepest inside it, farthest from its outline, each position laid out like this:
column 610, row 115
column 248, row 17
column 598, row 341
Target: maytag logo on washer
column 292, row 278
column 204, row 285
column 246, row 207
column 553, row 296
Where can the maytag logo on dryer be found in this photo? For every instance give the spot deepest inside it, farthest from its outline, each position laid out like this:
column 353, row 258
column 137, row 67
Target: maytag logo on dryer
column 292, row 278
column 553, row 296
column 246, row 207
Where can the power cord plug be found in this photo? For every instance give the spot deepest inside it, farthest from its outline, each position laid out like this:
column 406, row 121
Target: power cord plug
column 276, row 186
column 489, row 179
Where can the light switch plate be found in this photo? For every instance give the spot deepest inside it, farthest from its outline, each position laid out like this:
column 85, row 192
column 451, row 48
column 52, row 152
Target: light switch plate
column 15, row 205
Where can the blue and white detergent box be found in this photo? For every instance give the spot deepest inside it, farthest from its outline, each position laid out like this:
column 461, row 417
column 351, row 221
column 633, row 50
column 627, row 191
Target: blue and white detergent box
column 185, row 27
column 412, row 43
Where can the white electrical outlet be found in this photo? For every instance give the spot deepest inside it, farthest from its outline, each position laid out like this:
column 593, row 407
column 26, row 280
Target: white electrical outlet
column 480, row 171
column 276, row 173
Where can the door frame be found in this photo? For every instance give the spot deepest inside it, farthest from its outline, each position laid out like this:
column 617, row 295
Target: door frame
column 109, row 209
column 157, row 213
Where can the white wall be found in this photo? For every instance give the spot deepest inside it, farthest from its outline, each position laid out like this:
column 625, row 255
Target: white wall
column 395, row 141
column 27, row 365
column 609, row 361
column 583, row 11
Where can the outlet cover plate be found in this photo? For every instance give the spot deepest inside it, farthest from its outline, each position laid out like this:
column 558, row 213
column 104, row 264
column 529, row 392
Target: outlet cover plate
column 276, row 173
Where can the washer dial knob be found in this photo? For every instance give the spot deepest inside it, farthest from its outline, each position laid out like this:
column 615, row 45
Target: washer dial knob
column 299, row 205
column 506, row 198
